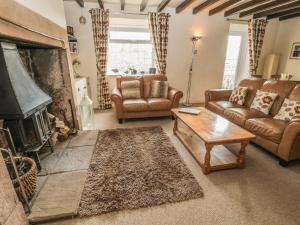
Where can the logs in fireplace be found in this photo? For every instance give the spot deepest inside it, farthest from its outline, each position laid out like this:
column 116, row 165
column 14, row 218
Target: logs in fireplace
column 22, row 104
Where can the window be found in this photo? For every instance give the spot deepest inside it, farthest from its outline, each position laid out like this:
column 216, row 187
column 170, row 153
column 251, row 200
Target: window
column 130, row 51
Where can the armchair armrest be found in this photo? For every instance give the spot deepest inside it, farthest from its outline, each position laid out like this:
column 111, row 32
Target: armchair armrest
column 217, row 95
column 174, row 96
column 116, row 97
column 290, row 142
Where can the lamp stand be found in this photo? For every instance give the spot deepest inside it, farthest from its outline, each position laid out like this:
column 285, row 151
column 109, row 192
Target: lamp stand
column 188, row 91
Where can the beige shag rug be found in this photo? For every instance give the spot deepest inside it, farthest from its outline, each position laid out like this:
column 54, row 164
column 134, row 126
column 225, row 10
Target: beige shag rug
column 134, row 168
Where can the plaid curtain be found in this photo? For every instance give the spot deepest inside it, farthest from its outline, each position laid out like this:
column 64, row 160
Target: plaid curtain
column 256, row 33
column 100, row 23
column 159, row 29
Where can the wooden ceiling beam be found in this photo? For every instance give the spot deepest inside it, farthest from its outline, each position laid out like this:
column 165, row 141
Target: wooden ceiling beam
column 162, row 5
column 283, row 13
column 263, row 7
column 223, row 6
column 287, row 17
column 143, row 5
column 243, row 6
column 184, row 5
column 204, row 5
column 276, row 9
column 101, row 5
column 80, row 3
column 122, row 4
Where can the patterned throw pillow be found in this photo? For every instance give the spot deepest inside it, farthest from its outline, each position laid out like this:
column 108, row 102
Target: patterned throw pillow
column 131, row 89
column 159, row 89
column 263, row 101
column 288, row 110
column 238, row 95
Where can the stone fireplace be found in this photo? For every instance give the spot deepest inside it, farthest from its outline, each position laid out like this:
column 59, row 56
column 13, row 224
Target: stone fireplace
column 43, row 46
column 49, row 69
column 34, row 80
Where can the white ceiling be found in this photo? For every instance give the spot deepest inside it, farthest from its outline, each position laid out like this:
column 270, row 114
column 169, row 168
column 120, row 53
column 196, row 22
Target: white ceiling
column 155, row 3
column 172, row 3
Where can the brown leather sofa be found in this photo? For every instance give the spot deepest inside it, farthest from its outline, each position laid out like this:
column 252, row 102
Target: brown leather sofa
column 144, row 107
column 278, row 137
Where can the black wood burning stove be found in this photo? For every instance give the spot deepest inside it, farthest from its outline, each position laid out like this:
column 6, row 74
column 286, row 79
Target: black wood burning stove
column 22, row 104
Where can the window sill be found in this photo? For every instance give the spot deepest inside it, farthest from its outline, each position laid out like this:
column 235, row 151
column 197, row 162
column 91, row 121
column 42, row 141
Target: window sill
column 116, row 75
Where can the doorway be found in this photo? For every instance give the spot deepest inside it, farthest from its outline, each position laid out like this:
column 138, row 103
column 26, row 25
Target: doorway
column 236, row 62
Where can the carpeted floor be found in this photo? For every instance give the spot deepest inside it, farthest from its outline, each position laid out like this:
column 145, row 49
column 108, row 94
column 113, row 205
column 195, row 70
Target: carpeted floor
column 262, row 193
column 135, row 168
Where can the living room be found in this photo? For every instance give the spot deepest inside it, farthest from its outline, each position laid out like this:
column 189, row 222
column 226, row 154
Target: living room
column 150, row 112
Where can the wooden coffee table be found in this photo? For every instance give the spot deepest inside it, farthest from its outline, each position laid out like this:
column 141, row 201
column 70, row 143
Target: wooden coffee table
column 206, row 134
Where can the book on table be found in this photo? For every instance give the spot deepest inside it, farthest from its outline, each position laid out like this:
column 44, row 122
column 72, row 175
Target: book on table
column 191, row 111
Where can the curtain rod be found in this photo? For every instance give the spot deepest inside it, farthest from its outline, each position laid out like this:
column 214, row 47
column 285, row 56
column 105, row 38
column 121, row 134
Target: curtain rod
column 126, row 13
column 237, row 20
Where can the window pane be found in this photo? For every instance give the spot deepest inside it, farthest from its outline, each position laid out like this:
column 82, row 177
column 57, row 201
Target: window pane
column 125, row 56
column 123, row 35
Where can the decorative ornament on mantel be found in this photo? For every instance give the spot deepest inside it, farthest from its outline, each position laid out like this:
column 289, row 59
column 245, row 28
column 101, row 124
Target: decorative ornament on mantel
column 195, row 38
column 76, row 63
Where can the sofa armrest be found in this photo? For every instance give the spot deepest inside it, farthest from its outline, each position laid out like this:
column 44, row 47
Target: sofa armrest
column 295, row 119
column 291, row 134
column 116, row 94
column 116, row 97
column 217, row 95
column 174, row 96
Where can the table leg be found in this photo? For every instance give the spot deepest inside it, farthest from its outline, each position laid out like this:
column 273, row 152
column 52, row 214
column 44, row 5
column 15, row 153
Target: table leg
column 242, row 154
column 206, row 167
column 175, row 128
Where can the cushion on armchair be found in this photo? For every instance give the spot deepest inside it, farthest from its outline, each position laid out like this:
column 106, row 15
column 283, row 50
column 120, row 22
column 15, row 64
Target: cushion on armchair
column 131, row 89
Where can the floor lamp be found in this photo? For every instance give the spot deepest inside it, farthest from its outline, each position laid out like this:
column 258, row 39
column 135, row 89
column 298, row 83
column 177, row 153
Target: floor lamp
column 194, row 40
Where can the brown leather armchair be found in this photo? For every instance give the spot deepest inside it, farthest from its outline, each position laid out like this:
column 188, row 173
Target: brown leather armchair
column 279, row 137
column 146, row 106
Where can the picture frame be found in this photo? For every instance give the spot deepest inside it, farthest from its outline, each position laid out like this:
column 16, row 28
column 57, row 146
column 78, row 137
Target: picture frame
column 295, row 52
column 74, row 47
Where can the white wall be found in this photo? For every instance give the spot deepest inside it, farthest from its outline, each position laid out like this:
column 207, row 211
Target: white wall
column 51, row 9
column 288, row 33
column 209, row 62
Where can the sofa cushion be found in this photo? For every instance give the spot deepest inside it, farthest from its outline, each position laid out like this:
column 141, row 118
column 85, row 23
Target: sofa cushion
column 120, row 79
column 240, row 115
column 252, row 85
column 263, row 101
column 238, row 95
column 156, row 104
column 295, row 93
column 288, row 110
column 159, row 89
column 147, row 82
column 219, row 106
column 268, row 128
column 131, row 89
column 135, row 105
column 283, row 88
